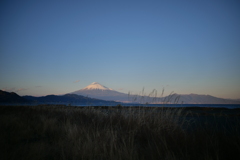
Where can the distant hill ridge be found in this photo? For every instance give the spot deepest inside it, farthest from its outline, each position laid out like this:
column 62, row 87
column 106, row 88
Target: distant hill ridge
column 199, row 99
column 6, row 97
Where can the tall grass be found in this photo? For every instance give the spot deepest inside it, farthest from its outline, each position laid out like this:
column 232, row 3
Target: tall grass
column 153, row 98
column 110, row 133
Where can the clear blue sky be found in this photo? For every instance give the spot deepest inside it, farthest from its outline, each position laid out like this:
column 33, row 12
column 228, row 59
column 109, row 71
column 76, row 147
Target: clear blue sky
column 56, row 47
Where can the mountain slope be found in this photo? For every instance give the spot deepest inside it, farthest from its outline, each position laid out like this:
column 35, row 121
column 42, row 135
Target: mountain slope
column 7, row 97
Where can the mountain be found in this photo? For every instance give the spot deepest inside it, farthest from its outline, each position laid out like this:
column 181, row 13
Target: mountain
column 96, row 90
column 11, row 97
column 67, row 98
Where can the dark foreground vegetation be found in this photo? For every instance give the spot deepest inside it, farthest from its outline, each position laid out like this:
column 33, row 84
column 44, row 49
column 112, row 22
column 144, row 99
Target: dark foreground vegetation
column 120, row 133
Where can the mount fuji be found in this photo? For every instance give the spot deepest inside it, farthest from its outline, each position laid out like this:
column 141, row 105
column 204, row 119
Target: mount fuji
column 96, row 90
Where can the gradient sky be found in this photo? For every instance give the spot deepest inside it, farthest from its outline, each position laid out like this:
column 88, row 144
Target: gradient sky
column 56, row 47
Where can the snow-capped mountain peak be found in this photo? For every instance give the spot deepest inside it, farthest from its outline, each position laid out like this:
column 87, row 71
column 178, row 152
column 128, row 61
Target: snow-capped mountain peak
column 96, row 85
column 96, row 90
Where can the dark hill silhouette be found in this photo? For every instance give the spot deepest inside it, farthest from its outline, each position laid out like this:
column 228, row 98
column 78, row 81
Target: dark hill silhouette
column 11, row 97
column 67, row 98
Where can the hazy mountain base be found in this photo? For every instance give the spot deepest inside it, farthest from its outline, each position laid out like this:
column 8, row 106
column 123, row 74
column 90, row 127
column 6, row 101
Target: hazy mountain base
column 60, row 132
column 171, row 99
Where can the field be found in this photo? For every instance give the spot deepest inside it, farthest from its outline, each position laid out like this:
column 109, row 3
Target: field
column 119, row 133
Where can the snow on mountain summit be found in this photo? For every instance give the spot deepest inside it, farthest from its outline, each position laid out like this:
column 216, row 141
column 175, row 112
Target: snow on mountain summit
column 96, row 90
column 96, row 85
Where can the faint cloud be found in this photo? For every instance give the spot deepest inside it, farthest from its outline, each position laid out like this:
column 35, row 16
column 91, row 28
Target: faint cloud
column 3, row 89
column 14, row 89
column 76, row 81
column 120, row 89
column 20, row 89
column 9, row 89
column 166, row 85
column 38, row 86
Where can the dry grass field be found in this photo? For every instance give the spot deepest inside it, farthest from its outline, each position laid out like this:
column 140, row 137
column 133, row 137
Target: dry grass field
column 116, row 133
